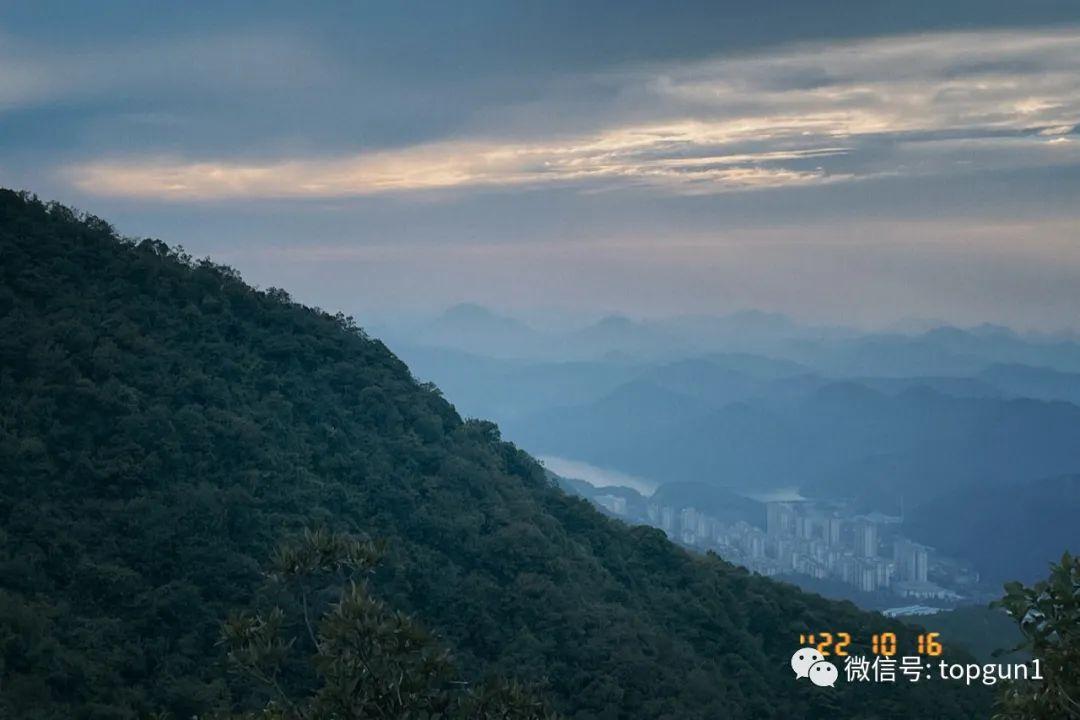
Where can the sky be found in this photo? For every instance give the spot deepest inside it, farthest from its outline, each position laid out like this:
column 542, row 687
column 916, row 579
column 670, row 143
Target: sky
column 859, row 163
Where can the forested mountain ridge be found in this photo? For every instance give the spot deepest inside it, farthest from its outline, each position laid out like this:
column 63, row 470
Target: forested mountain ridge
column 162, row 425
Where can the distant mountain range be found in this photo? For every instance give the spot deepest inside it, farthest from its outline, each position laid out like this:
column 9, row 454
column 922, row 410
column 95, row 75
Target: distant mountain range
column 830, row 350
column 840, row 439
column 755, row 401
column 1034, row 382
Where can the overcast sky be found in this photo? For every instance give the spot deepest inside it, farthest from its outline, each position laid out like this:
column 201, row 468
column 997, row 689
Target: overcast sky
column 853, row 162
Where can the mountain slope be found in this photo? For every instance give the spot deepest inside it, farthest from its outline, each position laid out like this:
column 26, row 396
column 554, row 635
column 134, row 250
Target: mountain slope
column 1034, row 382
column 162, row 425
column 1008, row 534
column 840, row 439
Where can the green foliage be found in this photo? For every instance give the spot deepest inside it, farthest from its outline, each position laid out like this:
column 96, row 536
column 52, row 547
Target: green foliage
column 323, row 553
column 1048, row 614
column 162, row 424
column 371, row 661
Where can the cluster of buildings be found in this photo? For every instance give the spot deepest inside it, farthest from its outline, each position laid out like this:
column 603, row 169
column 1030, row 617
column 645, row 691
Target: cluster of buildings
column 866, row 551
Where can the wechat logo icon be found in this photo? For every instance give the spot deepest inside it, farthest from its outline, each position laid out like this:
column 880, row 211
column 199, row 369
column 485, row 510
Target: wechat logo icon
column 803, row 659
column 809, row 663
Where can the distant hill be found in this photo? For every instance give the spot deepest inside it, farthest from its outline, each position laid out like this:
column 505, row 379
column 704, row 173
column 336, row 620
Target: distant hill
column 944, row 351
column 717, row 502
column 1034, row 382
column 508, row 389
column 962, row 387
column 476, row 329
column 841, row 439
column 758, row 366
column 162, row 425
column 704, row 382
column 1008, row 531
column 511, row 390
column 620, row 335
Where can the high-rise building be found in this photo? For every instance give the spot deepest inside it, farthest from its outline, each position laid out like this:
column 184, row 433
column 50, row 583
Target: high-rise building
column 884, row 573
column 867, row 578
column 912, row 560
column 652, row 511
column 866, row 539
column 832, row 531
column 920, row 564
column 688, row 523
column 757, row 546
column 779, row 519
column 772, row 519
column 667, row 519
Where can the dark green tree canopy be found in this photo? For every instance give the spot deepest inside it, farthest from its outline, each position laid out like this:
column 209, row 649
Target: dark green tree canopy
column 1048, row 615
column 369, row 661
column 162, row 425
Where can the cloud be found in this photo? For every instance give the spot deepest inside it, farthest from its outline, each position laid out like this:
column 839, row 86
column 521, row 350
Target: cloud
column 596, row 476
column 805, row 115
column 662, row 155
column 985, row 81
column 221, row 65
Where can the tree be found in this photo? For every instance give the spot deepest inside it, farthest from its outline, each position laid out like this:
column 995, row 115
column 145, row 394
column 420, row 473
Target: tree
column 369, row 660
column 161, row 421
column 1048, row 614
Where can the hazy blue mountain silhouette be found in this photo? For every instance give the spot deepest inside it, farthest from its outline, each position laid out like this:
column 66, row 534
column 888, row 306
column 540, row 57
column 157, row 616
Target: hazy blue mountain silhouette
column 840, row 439
column 1034, row 382
column 1008, row 532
